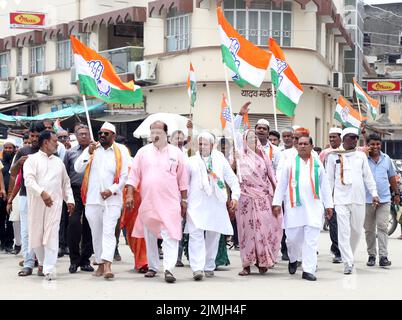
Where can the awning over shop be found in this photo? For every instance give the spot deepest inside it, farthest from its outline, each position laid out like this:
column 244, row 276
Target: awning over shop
column 4, row 106
column 122, row 117
column 64, row 113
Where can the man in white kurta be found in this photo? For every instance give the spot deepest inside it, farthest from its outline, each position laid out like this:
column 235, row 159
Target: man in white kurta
column 104, row 196
column 304, row 206
column 206, row 212
column 348, row 172
column 47, row 184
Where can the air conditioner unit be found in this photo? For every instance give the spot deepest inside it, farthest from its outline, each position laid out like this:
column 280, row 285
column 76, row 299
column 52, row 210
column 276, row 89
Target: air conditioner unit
column 348, row 90
column 22, row 85
column 337, row 81
column 144, row 71
column 4, row 89
column 42, row 84
column 74, row 76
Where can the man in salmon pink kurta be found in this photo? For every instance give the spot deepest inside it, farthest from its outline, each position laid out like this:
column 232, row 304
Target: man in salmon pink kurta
column 159, row 173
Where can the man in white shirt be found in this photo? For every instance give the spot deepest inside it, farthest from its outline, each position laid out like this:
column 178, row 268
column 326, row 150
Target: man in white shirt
column 106, row 168
column 348, row 172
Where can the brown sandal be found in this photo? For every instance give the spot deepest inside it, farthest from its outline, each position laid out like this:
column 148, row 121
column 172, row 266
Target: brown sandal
column 262, row 270
column 245, row 272
column 25, row 272
column 150, row 274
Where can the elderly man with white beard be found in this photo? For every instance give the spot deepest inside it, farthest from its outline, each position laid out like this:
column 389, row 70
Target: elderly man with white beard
column 206, row 212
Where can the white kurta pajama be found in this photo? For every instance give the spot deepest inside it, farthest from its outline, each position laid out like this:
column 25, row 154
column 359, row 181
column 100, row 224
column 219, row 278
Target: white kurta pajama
column 350, row 198
column 303, row 223
column 206, row 212
column 102, row 215
column 44, row 173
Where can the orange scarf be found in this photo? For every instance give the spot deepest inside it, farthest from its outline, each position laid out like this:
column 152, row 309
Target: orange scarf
column 84, row 186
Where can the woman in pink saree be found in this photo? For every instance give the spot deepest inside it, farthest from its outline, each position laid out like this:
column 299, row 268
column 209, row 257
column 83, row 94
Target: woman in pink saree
column 260, row 232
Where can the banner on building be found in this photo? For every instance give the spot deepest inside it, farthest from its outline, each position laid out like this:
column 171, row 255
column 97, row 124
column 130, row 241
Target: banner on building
column 119, row 108
column 27, row 20
column 383, row 87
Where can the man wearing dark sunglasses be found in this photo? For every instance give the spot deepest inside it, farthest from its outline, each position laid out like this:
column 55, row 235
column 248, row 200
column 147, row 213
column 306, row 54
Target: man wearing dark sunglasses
column 106, row 167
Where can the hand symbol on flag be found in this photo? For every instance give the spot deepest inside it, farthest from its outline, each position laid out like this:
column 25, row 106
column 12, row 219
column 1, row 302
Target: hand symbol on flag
column 97, row 71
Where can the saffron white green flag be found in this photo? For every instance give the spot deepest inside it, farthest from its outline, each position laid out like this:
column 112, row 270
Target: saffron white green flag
column 247, row 62
column 346, row 114
column 98, row 78
column 369, row 102
column 287, row 86
column 192, row 86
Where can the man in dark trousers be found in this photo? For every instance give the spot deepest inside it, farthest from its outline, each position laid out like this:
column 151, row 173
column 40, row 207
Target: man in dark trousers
column 78, row 232
column 6, row 226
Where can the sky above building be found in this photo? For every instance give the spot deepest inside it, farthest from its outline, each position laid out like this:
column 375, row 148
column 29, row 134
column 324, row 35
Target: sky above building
column 381, row 1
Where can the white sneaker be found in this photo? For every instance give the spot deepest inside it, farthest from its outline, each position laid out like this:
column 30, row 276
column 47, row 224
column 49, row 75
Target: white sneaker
column 348, row 269
column 198, row 275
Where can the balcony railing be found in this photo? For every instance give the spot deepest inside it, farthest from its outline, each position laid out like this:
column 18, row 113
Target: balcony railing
column 120, row 57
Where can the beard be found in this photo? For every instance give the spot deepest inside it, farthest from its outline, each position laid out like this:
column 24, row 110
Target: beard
column 8, row 156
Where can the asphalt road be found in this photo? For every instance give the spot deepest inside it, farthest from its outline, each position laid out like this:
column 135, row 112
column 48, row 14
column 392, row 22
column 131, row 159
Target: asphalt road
column 365, row 283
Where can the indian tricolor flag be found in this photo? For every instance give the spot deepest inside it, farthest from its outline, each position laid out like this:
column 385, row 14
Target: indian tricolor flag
column 288, row 88
column 247, row 62
column 346, row 114
column 98, row 78
column 192, row 85
column 368, row 101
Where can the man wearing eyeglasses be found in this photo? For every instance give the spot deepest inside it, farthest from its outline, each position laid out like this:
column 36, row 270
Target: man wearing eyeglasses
column 106, row 166
column 77, row 232
column 348, row 172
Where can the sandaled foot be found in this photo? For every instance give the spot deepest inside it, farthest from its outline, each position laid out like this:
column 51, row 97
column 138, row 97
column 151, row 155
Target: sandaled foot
column 245, row 272
column 262, row 270
column 150, row 274
column 40, row 271
column 100, row 271
column 25, row 272
column 108, row 275
column 143, row 269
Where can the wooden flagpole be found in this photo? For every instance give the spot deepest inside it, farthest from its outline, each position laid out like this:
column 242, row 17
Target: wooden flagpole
column 88, row 119
column 274, row 104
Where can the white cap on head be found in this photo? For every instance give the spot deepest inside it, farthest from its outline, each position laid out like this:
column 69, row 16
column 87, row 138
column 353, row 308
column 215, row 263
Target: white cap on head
column 263, row 122
column 335, row 130
column 350, row 130
column 206, row 135
column 109, row 126
column 295, row 127
column 11, row 141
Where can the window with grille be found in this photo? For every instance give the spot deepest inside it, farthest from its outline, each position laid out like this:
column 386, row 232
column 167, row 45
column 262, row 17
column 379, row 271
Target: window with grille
column 19, row 62
column 177, row 31
column 37, row 59
column 262, row 20
column 4, row 65
column 64, row 55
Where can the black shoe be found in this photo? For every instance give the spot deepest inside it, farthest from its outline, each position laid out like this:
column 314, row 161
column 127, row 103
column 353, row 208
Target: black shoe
column 9, row 249
column 117, row 256
column 299, row 263
column 309, row 276
column 16, row 250
column 337, row 259
column 169, row 278
column 384, row 262
column 285, row 257
column 292, row 267
column 73, row 268
column 2, row 247
column 60, row 252
column 87, row 268
column 371, row 261
column 66, row 251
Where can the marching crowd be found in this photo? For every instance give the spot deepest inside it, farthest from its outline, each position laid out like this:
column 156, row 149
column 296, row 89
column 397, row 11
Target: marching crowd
column 170, row 199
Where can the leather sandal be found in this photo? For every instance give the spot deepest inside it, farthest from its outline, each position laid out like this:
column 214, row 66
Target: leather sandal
column 40, row 271
column 150, row 274
column 25, row 272
column 262, row 270
column 245, row 272
column 143, row 269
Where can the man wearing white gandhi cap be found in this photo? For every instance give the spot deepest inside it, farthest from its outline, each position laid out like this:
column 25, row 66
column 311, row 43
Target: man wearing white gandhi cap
column 106, row 167
column 262, row 132
column 349, row 173
column 206, row 212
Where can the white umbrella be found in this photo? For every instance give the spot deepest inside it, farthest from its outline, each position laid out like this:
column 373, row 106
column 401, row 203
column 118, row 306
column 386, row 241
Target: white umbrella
column 174, row 122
